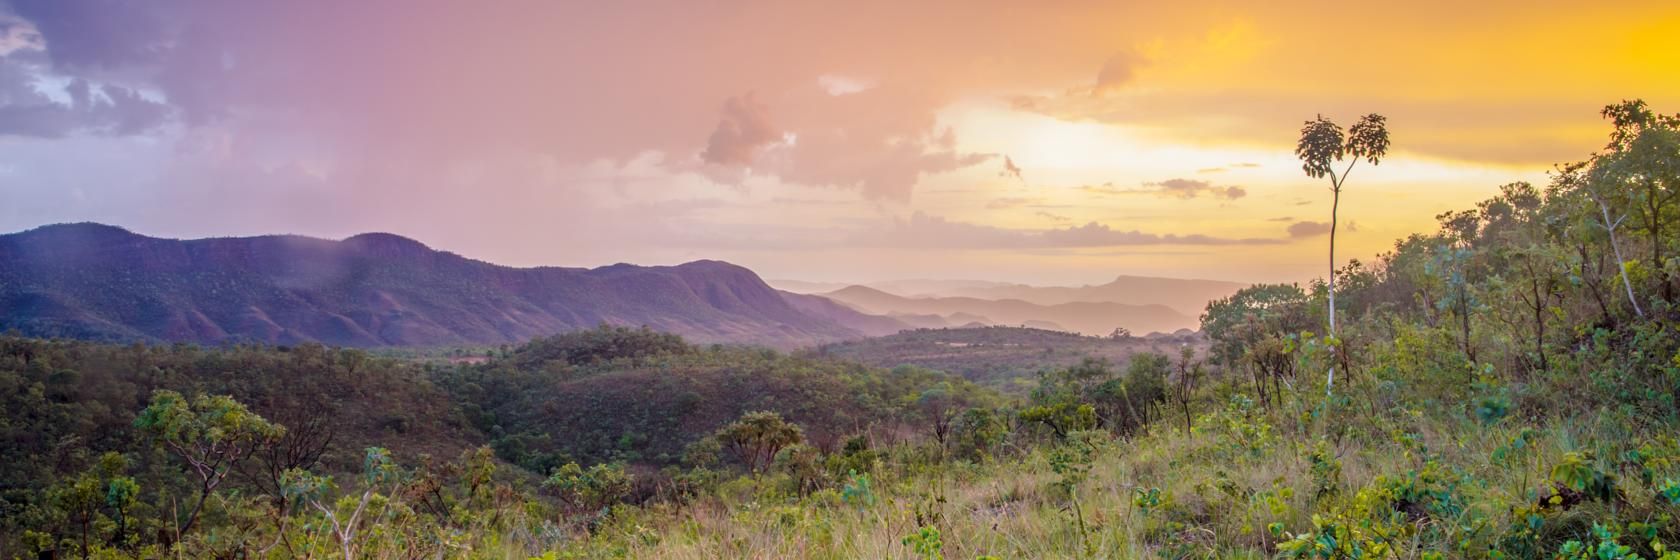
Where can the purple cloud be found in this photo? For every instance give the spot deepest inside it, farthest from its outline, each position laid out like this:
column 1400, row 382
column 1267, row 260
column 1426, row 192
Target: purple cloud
column 927, row 231
column 1304, row 229
column 743, row 131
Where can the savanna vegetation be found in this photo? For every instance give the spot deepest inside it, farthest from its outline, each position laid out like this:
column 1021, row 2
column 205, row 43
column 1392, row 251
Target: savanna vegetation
column 1004, row 358
column 1503, row 388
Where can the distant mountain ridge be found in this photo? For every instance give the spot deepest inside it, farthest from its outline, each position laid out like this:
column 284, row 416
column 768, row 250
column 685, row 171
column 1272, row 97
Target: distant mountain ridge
column 1090, row 318
column 1186, row 296
column 103, row 282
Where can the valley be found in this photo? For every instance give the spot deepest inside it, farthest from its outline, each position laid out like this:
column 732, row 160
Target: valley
column 1005, row 358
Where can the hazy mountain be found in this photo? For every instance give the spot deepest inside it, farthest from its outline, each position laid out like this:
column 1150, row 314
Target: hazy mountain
column 864, row 323
column 804, row 287
column 1186, row 296
column 1093, row 318
column 103, row 282
column 919, row 287
column 914, row 287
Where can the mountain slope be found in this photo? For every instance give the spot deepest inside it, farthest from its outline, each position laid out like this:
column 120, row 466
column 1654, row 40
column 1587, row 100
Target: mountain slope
column 102, row 282
column 869, row 325
column 1092, row 318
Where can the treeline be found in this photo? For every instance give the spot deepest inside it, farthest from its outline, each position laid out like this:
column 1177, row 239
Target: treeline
column 1554, row 288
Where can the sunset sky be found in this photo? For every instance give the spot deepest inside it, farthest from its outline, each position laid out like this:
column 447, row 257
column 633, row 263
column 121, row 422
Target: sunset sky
column 1042, row 142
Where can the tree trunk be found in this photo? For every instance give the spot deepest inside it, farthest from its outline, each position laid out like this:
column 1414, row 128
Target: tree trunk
column 122, row 527
column 1655, row 206
column 1593, row 285
column 1260, row 386
column 1335, row 204
column 1186, row 403
column 1621, row 265
column 1464, row 322
column 193, row 517
column 1540, row 340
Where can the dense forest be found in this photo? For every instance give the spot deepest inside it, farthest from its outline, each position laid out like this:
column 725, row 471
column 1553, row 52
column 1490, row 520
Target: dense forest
column 1503, row 388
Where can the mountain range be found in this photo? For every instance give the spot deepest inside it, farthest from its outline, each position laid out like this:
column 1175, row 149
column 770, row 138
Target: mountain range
column 102, row 282
column 1187, row 297
column 1086, row 317
column 95, row 281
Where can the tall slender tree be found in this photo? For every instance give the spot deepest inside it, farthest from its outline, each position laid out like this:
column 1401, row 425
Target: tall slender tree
column 1322, row 147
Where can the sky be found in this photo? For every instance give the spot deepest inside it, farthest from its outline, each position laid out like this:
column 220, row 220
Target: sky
column 1039, row 142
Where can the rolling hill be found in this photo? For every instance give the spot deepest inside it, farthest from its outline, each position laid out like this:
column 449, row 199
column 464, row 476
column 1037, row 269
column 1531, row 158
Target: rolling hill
column 102, row 282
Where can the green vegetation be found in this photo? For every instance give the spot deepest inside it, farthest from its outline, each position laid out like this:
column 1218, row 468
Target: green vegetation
column 1505, row 388
column 624, row 395
column 241, row 451
column 1005, row 358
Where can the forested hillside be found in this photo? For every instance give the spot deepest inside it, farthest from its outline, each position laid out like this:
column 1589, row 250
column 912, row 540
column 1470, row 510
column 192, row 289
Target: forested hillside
column 1005, row 358
column 1504, row 387
column 224, row 438
column 101, row 282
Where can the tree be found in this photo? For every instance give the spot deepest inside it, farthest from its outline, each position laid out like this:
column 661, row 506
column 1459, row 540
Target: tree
column 1270, row 361
column 977, row 432
column 1569, row 198
column 378, row 471
column 592, row 489
column 941, row 404
column 757, row 436
column 804, row 464
column 1321, row 146
column 1591, row 188
column 121, row 493
column 212, row 434
column 1063, row 418
column 1124, row 404
column 81, row 498
column 310, row 431
column 1642, row 168
column 1189, row 372
column 1524, row 244
column 1249, row 329
column 1250, row 315
column 1452, row 264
